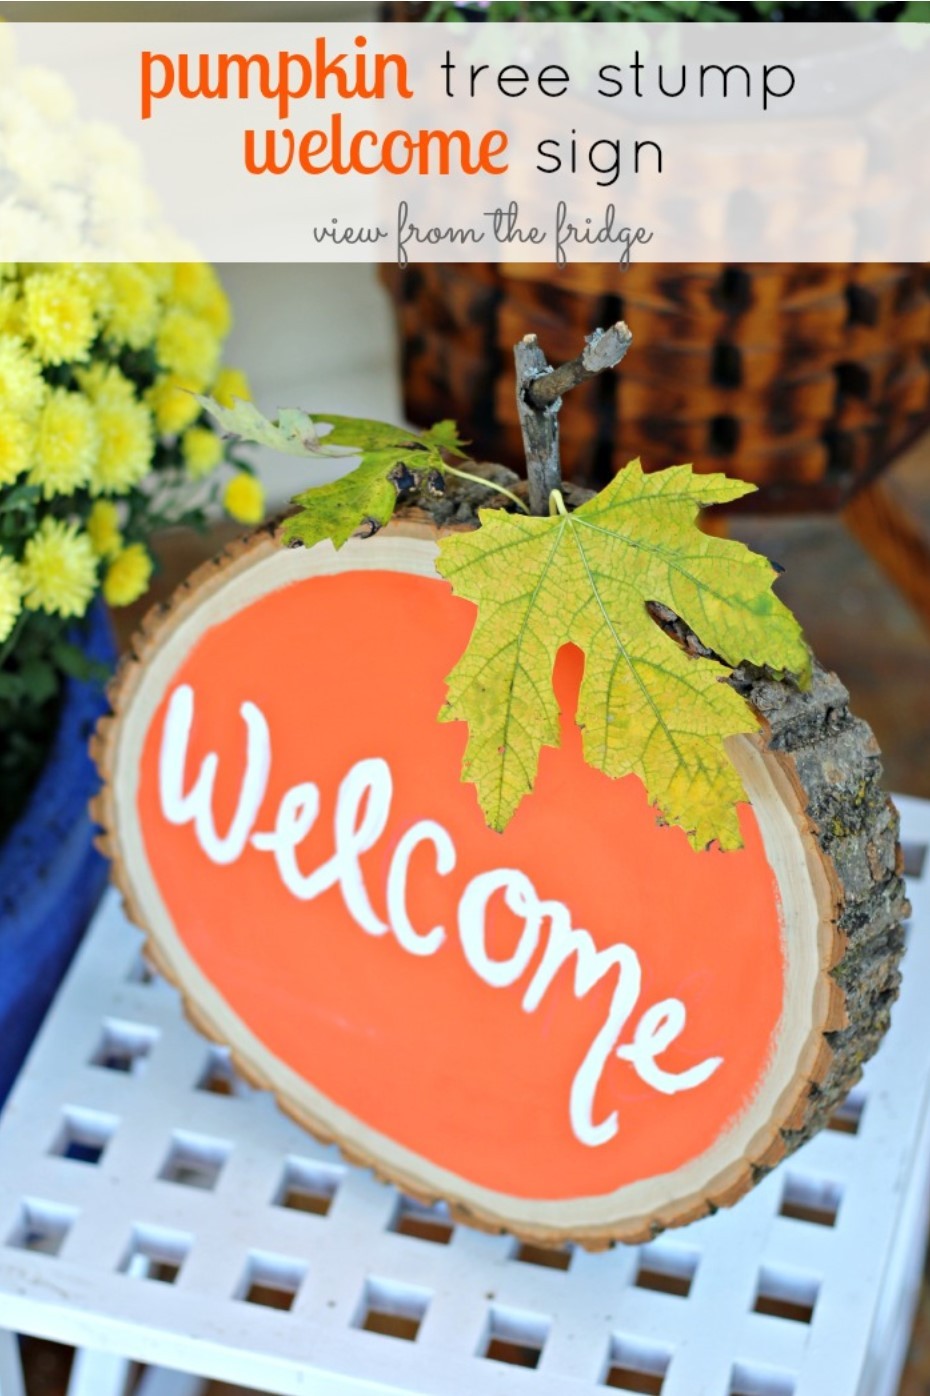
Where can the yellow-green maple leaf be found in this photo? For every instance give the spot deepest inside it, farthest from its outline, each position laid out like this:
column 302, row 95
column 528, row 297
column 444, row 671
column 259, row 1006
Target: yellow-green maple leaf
column 645, row 706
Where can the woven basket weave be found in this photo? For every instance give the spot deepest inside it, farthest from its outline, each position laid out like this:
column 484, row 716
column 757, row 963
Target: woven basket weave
column 805, row 379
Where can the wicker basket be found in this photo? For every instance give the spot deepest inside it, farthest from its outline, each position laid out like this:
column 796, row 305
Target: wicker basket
column 806, row 380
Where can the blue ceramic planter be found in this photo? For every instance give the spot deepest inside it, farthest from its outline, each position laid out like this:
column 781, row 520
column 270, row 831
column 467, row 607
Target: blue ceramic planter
column 51, row 876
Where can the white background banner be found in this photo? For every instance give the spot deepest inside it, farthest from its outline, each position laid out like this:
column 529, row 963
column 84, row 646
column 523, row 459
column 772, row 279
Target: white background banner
column 465, row 142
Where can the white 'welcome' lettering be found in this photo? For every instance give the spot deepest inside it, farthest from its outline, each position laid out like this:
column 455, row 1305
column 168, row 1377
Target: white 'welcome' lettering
column 362, row 811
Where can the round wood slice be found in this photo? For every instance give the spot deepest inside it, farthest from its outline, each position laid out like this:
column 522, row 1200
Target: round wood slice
column 371, row 1014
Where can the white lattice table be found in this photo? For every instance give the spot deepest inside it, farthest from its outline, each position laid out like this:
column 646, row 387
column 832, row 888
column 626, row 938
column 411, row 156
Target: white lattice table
column 154, row 1209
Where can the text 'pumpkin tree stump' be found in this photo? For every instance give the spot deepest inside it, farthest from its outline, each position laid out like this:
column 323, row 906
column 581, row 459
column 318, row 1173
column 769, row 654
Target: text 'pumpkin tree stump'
column 644, row 964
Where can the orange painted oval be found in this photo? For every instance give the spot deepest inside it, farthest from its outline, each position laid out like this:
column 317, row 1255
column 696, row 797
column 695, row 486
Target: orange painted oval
column 464, row 1074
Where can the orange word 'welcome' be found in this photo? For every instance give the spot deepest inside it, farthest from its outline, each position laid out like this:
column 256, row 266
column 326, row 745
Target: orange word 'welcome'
column 397, row 152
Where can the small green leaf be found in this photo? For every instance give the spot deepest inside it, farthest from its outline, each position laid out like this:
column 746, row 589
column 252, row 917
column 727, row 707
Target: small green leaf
column 361, row 435
column 343, row 507
column 294, row 433
column 445, row 435
column 77, row 664
column 39, row 680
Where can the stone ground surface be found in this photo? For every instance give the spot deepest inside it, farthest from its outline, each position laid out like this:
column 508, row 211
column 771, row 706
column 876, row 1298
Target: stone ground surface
column 856, row 623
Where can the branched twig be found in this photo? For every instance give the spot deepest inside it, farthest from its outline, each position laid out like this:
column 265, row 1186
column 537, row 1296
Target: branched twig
column 539, row 397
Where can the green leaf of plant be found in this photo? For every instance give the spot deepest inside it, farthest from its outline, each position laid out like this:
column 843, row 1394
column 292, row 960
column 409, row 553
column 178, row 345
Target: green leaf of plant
column 364, row 499
column 360, row 434
column 294, row 433
column 645, row 706
column 445, row 435
column 74, row 662
column 341, row 508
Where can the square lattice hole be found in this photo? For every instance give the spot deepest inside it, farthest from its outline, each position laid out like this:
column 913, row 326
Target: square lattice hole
column 915, row 858
column 667, row 1267
column 124, row 1046
column 788, row 1294
column 41, row 1226
column 84, row 1135
column 425, row 1221
column 307, row 1186
column 219, row 1076
column 847, row 1117
column 271, row 1280
column 633, row 1365
column 547, row 1257
column 155, row 1253
column 392, row 1309
column 813, row 1200
column 746, row 1380
column 515, row 1336
column 195, row 1161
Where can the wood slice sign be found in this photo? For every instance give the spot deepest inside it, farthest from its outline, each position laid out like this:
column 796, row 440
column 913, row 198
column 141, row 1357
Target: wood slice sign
column 578, row 1028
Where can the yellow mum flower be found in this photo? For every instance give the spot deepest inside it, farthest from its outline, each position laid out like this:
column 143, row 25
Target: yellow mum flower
column 94, row 281
column 58, row 317
column 202, row 449
column 187, row 347
column 66, row 444
column 217, row 312
column 161, row 274
column 126, row 447
column 11, row 595
column 103, row 383
column 134, row 314
column 59, row 569
column 16, row 439
column 22, row 387
column 231, row 383
column 244, row 498
column 9, row 298
column 103, row 528
column 173, row 404
column 127, row 576
column 192, row 284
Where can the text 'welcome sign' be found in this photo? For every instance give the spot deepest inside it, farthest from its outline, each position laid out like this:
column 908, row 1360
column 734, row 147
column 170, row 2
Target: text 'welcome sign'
column 566, row 1028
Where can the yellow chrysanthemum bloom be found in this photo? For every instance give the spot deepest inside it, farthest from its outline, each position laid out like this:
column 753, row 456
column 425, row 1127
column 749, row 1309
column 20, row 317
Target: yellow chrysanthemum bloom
column 217, row 311
column 161, row 274
column 93, row 279
column 9, row 299
column 11, row 595
column 103, row 383
column 103, row 528
column 134, row 314
column 244, row 498
column 58, row 317
column 59, row 569
column 127, row 576
column 192, row 284
column 201, row 449
column 127, row 444
column 66, row 444
column 16, row 440
column 187, row 347
column 22, row 387
column 47, row 94
column 231, row 383
column 173, row 404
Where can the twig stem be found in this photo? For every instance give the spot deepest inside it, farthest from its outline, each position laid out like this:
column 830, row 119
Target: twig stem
column 539, row 397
